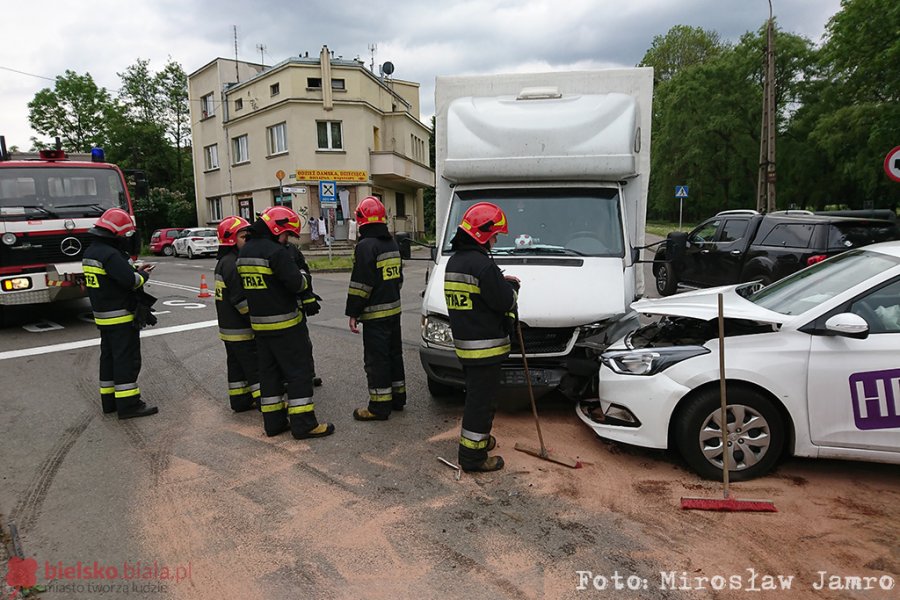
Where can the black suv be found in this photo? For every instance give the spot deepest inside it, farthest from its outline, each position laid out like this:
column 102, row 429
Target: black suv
column 744, row 245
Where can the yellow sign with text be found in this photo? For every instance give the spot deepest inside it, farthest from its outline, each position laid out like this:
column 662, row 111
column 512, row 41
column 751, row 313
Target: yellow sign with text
column 332, row 175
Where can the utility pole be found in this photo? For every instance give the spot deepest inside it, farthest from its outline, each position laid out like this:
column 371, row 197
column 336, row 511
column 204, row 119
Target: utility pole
column 765, row 190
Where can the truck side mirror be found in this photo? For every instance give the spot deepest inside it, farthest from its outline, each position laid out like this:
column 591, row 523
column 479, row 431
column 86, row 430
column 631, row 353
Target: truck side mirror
column 676, row 244
column 403, row 240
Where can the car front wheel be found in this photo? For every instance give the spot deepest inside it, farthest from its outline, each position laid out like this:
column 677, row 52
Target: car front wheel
column 190, row 253
column 666, row 281
column 755, row 434
column 168, row 250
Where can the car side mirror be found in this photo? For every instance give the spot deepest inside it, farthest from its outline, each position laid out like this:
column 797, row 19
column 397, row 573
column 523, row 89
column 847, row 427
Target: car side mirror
column 848, row 325
column 676, row 244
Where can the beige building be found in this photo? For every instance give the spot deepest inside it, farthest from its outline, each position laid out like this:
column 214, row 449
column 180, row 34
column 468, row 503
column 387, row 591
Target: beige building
column 281, row 135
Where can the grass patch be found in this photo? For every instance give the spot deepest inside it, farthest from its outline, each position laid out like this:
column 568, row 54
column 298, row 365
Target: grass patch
column 662, row 228
column 337, row 263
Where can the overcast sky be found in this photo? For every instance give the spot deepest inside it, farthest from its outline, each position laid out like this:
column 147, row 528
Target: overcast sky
column 41, row 39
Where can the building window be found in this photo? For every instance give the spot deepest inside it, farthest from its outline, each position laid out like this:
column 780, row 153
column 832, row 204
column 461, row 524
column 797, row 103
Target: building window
column 277, row 136
column 275, row 89
column 211, row 156
column 207, row 106
column 240, row 149
column 329, row 135
column 316, row 83
column 238, row 104
column 400, row 201
column 215, row 209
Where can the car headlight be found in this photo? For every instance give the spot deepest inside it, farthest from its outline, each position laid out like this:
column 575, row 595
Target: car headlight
column 649, row 361
column 436, row 330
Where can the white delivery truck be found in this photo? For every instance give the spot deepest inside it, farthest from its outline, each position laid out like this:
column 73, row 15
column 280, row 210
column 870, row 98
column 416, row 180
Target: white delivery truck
column 567, row 157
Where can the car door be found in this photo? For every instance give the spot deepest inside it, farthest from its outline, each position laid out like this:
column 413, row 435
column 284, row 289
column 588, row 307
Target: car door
column 726, row 256
column 697, row 254
column 180, row 241
column 854, row 385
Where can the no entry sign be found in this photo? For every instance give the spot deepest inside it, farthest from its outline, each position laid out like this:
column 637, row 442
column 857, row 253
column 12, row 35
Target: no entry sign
column 892, row 164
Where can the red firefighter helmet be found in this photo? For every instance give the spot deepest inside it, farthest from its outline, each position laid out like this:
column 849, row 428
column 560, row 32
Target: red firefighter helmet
column 280, row 218
column 370, row 210
column 484, row 220
column 228, row 229
column 115, row 221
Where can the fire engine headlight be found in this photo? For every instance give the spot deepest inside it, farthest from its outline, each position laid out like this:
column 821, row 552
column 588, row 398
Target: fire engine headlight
column 649, row 361
column 9, row 239
column 436, row 330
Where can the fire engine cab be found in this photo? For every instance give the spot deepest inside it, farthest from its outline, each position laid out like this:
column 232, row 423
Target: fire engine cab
column 48, row 202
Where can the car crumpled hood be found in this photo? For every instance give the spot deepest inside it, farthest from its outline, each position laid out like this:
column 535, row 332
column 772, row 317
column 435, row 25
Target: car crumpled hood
column 703, row 305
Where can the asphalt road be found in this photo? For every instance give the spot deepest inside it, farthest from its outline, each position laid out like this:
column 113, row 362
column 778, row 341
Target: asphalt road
column 366, row 513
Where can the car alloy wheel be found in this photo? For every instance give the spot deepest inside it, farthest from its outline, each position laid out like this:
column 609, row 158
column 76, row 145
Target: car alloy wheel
column 754, row 431
column 666, row 284
column 168, row 250
column 190, row 253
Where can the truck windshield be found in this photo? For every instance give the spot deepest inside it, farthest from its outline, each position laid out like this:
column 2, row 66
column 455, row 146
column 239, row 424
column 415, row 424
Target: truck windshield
column 60, row 192
column 565, row 221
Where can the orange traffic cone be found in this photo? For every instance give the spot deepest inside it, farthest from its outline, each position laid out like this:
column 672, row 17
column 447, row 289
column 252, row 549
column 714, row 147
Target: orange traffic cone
column 204, row 290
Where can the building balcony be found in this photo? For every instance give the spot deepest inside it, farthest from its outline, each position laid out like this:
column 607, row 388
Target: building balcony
column 390, row 168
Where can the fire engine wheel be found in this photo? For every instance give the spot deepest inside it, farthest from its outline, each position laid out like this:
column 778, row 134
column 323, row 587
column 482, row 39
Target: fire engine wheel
column 168, row 250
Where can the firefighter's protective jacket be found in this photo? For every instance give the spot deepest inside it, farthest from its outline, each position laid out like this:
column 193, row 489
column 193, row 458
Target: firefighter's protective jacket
column 271, row 282
column 111, row 281
column 232, row 308
column 479, row 302
column 377, row 276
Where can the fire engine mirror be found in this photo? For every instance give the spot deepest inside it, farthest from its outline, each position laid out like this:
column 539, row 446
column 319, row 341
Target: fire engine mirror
column 405, row 243
column 676, row 243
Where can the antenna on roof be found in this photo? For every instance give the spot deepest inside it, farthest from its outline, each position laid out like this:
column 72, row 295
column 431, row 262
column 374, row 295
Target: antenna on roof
column 372, row 49
column 237, row 73
column 262, row 53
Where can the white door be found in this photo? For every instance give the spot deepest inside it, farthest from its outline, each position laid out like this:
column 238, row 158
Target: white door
column 854, row 385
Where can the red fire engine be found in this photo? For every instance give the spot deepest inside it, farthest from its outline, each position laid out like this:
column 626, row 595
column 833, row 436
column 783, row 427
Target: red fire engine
column 47, row 204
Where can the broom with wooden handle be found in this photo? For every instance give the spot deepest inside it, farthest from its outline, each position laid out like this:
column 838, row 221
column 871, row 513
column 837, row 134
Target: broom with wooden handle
column 728, row 503
column 542, row 452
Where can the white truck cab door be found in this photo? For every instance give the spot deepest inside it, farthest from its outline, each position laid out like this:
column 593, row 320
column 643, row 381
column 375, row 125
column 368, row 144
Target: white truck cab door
column 854, row 385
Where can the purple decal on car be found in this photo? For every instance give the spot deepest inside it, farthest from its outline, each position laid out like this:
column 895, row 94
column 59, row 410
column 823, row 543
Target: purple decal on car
column 876, row 399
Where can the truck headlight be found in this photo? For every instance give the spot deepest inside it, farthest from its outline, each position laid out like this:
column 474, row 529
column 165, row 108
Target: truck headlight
column 649, row 361
column 436, row 330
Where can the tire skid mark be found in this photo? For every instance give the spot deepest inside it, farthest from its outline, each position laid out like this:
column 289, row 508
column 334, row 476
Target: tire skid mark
column 29, row 507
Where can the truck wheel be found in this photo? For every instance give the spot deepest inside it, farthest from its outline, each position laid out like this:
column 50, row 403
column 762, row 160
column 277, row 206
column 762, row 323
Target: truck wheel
column 168, row 250
column 440, row 390
column 666, row 281
column 755, row 434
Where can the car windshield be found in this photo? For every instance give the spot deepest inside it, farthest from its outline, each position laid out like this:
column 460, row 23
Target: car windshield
column 565, row 221
column 810, row 287
column 60, row 192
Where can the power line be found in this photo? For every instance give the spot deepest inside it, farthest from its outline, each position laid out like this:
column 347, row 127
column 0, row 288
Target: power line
column 29, row 74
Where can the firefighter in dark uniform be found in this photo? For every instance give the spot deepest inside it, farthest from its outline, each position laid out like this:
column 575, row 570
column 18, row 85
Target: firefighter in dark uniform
column 113, row 286
column 309, row 303
column 373, row 300
column 234, row 317
column 271, row 282
column 482, row 304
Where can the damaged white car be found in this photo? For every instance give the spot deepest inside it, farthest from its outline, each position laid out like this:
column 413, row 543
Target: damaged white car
column 812, row 365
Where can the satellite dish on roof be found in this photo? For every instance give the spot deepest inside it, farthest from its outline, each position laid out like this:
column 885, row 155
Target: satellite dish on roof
column 387, row 68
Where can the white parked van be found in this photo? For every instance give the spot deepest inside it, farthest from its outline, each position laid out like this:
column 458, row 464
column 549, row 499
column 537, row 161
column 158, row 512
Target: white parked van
column 567, row 157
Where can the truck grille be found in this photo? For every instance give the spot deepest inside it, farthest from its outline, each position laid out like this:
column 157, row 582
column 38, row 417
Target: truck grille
column 43, row 249
column 543, row 340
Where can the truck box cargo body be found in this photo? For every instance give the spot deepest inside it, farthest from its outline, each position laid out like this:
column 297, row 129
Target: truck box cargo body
column 567, row 157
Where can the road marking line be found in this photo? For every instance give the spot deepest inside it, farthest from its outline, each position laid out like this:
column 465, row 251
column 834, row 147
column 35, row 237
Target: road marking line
column 96, row 341
column 176, row 286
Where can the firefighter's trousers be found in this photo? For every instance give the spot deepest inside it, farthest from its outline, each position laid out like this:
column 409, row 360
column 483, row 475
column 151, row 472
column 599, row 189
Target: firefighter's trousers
column 482, row 390
column 120, row 364
column 383, row 357
column 243, row 374
column 284, row 367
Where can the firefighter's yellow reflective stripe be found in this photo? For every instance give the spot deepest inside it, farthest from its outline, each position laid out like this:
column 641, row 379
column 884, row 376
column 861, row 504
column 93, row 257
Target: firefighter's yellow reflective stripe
column 309, row 300
column 127, row 390
column 258, row 262
column 297, row 406
column 511, row 315
column 474, row 349
column 239, row 391
column 235, row 335
column 390, row 264
column 359, row 289
column 254, row 391
column 107, row 389
column 94, row 270
column 272, row 407
column 112, row 317
column 398, row 387
column 275, row 322
column 254, row 270
column 380, row 394
column 387, row 256
column 138, row 280
column 380, row 311
column 473, row 445
column 360, row 293
column 473, row 354
column 461, row 278
column 455, row 286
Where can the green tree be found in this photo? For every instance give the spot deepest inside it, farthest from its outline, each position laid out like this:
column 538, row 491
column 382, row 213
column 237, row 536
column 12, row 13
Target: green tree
column 429, row 195
column 172, row 82
column 681, row 47
column 76, row 110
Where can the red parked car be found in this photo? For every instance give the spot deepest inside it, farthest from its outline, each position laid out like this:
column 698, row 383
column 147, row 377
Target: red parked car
column 161, row 240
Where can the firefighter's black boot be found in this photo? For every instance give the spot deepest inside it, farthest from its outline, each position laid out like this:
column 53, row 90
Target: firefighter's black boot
column 317, row 381
column 108, row 402
column 320, row 430
column 275, row 422
column 131, row 408
column 364, row 414
column 491, row 463
column 242, row 403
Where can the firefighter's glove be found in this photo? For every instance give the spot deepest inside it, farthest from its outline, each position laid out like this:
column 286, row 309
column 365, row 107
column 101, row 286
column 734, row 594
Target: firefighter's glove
column 311, row 305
